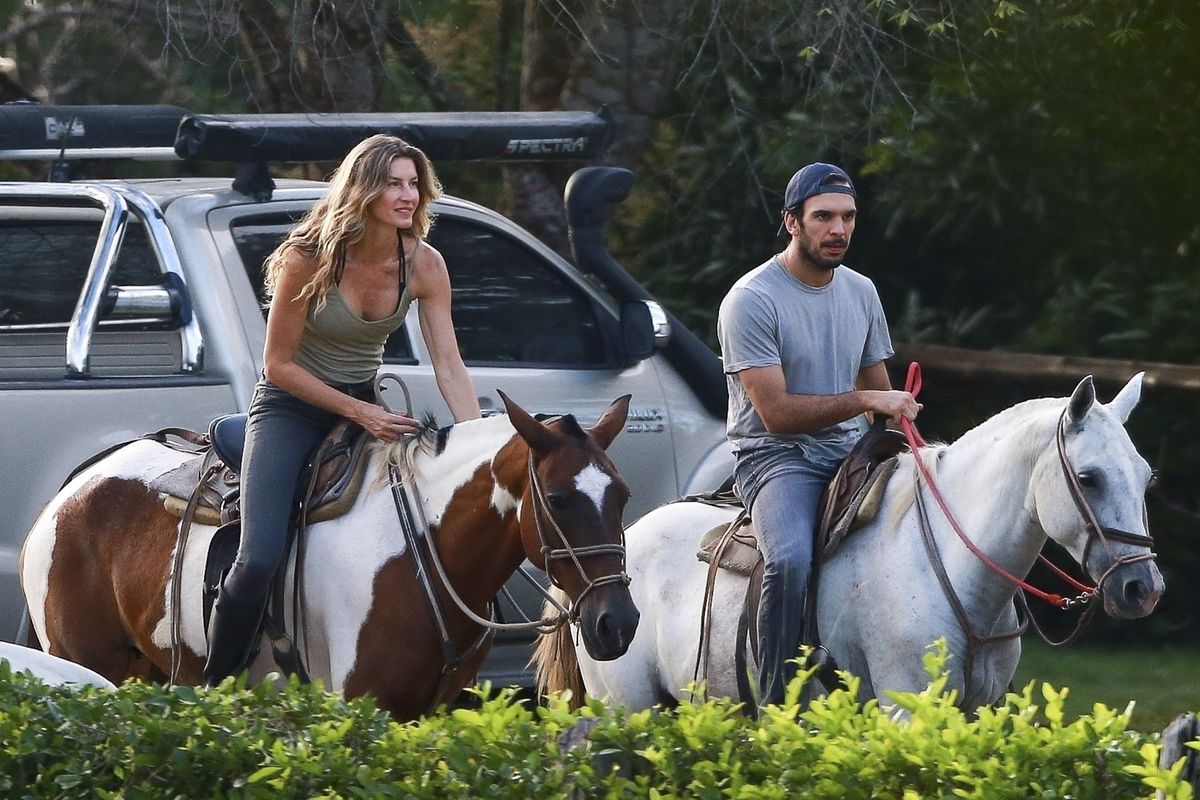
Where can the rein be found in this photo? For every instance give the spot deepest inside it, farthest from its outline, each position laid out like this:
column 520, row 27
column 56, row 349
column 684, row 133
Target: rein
column 414, row 527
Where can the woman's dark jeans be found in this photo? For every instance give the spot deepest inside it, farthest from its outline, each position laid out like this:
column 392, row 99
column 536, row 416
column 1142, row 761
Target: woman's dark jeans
column 281, row 433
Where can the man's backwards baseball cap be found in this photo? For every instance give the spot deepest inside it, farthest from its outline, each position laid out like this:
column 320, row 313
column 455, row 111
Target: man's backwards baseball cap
column 816, row 179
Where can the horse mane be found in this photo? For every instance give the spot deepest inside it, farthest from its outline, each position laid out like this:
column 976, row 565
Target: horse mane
column 430, row 441
column 1019, row 418
column 403, row 454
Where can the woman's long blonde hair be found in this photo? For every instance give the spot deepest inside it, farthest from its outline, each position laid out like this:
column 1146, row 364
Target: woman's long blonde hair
column 339, row 218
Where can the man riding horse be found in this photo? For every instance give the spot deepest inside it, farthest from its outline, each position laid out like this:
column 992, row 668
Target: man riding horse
column 804, row 340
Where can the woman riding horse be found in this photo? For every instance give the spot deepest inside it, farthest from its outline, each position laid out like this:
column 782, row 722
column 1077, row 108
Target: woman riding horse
column 340, row 284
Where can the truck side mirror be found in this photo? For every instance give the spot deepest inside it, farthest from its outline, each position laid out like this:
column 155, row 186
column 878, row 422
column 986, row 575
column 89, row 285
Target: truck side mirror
column 644, row 329
column 637, row 332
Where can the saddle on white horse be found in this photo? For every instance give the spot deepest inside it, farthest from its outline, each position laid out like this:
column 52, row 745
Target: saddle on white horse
column 850, row 501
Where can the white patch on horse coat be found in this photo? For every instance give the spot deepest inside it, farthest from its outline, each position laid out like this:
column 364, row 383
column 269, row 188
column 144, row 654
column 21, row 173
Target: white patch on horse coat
column 468, row 446
column 593, row 482
column 191, row 630
column 503, row 500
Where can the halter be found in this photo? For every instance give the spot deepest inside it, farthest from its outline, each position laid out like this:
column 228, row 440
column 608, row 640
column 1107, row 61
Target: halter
column 541, row 509
column 1096, row 532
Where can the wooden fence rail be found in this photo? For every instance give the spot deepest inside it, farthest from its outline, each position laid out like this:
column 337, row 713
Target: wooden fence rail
column 1030, row 367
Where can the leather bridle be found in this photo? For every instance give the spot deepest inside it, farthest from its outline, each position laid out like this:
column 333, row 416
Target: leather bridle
column 412, row 518
column 1096, row 531
column 541, row 511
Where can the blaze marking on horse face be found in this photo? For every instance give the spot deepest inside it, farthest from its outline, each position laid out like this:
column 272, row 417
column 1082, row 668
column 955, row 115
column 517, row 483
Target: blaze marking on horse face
column 593, row 482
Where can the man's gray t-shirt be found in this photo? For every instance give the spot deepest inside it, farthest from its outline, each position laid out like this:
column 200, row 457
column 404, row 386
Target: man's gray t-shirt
column 821, row 337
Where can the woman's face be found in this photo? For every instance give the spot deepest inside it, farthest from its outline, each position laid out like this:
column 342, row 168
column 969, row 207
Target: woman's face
column 398, row 202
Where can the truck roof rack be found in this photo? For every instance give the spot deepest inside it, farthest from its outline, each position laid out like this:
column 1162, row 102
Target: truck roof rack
column 33, row 132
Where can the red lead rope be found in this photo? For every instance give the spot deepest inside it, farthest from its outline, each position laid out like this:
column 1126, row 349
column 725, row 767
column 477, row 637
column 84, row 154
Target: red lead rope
column 912, row 385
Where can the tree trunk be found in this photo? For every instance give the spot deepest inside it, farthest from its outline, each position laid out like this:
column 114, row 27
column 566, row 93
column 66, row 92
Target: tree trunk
column 323, row 57
column 621, row 54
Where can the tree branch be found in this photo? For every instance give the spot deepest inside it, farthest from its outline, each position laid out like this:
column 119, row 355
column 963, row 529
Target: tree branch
column 444, row 95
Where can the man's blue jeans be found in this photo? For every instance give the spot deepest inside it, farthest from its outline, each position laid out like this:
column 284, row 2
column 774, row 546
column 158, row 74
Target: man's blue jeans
column 782, row 489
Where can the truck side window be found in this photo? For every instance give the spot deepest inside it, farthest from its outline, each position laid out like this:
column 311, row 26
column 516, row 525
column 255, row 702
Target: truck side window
column 257, row 237
column 43, row 265
column 513, row 307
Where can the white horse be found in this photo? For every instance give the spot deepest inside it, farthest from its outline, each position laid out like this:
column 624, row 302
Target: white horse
column 880, row 601
column 51, row 670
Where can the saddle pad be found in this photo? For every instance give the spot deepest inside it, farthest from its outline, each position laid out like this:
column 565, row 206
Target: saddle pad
column 863, row 507
column 740, row 553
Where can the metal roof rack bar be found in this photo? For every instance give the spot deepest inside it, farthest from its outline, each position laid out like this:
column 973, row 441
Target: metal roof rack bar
column 450, row 136
column 33, row 132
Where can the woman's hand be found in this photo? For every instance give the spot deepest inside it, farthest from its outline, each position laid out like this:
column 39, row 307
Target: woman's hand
column 383, row 424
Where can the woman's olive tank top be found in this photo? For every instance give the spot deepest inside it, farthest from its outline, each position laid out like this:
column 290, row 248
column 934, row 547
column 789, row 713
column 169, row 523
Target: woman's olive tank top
column 340, row 347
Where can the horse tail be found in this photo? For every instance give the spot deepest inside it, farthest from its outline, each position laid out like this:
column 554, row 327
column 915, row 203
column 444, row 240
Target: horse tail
column 26, row 635
column 555, row 659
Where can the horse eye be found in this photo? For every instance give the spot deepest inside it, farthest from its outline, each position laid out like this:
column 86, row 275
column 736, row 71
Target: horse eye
column 557, row 500
column 1153, row 479
column 1088, row 480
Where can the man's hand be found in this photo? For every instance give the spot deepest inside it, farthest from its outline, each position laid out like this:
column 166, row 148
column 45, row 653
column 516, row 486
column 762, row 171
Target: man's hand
column 895, row 403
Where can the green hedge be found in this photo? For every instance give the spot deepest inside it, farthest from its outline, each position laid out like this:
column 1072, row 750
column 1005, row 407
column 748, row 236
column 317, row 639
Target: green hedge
column 295, row 741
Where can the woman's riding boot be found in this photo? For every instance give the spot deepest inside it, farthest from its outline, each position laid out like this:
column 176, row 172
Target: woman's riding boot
column 231, row 632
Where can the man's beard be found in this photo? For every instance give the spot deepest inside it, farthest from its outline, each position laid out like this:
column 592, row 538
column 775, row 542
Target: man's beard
column 812, row 254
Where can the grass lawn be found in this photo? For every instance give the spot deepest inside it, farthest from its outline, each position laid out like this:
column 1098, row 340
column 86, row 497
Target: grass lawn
column 1164, row 680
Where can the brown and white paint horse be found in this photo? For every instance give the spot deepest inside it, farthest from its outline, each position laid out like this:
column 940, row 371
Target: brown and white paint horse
column 97, row 565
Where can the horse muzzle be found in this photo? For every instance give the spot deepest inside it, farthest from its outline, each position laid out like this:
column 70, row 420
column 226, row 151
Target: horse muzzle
column 608, row 619
column 1132, row 590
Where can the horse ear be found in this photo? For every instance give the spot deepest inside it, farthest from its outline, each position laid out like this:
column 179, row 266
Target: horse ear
column 535, row 434
column 1082, row 400
column 611, row 422
column 1127, row 399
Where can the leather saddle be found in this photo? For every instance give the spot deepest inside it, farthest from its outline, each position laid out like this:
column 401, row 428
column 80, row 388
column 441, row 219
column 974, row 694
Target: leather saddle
column 849, row 502
column 213, row 473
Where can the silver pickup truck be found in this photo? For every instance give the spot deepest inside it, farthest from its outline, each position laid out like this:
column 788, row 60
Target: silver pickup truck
column 130, row 305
